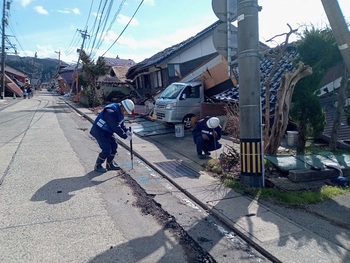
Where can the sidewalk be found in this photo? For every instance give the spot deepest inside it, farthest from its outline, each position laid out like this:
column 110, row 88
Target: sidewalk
column 287, row 239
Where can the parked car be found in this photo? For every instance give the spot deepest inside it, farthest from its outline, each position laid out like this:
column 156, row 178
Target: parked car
column 179, row 102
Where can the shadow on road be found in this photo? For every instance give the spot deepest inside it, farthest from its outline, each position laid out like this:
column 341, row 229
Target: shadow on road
column 60, row 190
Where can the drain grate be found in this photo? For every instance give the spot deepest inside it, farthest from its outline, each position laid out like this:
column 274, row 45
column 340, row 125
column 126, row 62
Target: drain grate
column 177, row 169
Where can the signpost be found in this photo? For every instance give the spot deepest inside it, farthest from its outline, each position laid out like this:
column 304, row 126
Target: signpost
column 226, row 11
column 220, row 40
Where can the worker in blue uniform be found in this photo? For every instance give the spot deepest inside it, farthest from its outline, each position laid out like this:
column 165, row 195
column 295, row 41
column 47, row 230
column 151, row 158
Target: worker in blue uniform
column 110, row 121
column 206, row 135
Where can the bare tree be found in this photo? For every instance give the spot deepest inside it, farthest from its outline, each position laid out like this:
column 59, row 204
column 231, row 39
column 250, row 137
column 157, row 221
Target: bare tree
column 276, row 55
column 284, row 98
column 273, row 136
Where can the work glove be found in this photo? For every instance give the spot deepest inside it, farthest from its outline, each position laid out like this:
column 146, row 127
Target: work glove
column 129, row 136
column 129, row 133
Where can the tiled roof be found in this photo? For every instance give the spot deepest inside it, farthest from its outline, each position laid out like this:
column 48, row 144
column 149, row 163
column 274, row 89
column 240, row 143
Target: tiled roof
column 266, row 64
column 111, row 62
column 327, row 100
column 67, row 76
column 66, row 73
column 120, row 72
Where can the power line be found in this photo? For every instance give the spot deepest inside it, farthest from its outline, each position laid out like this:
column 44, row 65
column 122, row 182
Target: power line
column 75, row 39
column 116, row 15
column 124, row 28
column 103, row 32
column 72, row 44
column 112, row 22
column 99, row 26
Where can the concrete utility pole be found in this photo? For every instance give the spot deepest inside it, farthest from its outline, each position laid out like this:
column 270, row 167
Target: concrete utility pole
column 339, row 28
column 75, row 74
column 251, row 143
column 59, row 60
column 342, row 36
column 3, row 55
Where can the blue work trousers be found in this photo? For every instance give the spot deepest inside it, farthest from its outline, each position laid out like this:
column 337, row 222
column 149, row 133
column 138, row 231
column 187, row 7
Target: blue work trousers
column 205, row 145
column 108, row 146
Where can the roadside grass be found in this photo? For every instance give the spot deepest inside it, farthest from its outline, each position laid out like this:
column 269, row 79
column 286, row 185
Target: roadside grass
column 290, row 198
column 293, row 198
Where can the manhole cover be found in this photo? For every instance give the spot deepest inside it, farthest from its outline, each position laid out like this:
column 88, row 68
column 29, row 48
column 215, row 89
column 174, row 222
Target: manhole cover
column 177, row 169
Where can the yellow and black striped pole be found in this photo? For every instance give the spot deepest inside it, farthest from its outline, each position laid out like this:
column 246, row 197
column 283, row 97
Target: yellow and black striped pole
column 250, row 121
column 251, row 157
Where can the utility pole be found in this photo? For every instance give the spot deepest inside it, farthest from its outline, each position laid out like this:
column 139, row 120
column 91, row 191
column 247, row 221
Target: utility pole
column 342, row 36
column 250, row 120
column 340, row 29
column 58, row 69
column 75, row 74
column 59, row 60
column 3, row 55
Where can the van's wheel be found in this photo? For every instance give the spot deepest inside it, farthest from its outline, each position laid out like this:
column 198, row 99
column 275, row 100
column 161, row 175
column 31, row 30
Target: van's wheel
column 187, row 121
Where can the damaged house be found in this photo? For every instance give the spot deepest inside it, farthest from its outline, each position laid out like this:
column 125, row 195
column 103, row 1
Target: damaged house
column 14, row 82
column 114, row 85
column 197, row 59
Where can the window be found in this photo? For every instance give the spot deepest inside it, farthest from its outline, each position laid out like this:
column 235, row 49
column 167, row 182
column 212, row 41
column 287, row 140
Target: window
column 156, row 79
column 174, row 70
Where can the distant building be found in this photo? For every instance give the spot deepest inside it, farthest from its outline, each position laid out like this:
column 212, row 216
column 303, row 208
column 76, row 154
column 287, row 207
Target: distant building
column 64, row 79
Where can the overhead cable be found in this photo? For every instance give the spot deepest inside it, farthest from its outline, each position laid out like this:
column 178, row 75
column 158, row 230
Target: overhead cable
column 99, row 25
column 124, row 28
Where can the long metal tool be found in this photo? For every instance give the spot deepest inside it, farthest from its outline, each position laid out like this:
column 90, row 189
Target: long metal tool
column 131, row 152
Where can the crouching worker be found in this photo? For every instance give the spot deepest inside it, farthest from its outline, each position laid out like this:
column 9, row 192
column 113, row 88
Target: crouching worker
column 206, row 135
column 110, row 121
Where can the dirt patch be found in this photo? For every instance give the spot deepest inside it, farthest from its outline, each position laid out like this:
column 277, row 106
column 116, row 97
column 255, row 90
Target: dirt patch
column 195, row 253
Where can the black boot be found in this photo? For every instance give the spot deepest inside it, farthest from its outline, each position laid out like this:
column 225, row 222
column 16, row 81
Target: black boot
column 98, row 166
column 112, row 166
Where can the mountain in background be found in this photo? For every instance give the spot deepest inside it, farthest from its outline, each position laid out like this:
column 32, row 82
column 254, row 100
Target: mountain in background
column 38, row 70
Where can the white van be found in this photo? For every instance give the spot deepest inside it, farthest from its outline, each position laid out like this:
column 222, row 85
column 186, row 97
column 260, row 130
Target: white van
column 179, row 102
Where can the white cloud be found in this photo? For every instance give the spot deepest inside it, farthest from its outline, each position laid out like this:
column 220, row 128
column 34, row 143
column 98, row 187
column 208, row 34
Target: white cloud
column 141, row 48
column 132, row 43
column 24, row 3
column 75, row 11
column 149, row 2
column 45, row 51
column 63, row 11
column 41, row 10
column 125, row 19
column 182, row 34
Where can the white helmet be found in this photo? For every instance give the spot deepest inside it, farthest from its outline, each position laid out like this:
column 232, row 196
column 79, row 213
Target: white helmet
column 128, row 105
column 213, row 122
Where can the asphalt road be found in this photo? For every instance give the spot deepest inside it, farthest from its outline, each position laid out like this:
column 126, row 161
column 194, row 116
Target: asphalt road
column 54, row 208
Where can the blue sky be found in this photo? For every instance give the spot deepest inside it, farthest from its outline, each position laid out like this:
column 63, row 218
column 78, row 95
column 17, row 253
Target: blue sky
column 47, row 27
